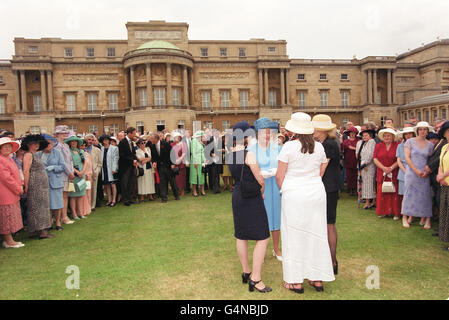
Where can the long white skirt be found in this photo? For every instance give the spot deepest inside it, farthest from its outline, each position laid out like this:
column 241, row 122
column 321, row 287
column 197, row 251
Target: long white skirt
column 145, row 183
column 305, row 249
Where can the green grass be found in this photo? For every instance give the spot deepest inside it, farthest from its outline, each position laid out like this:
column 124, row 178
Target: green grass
column 186, row 250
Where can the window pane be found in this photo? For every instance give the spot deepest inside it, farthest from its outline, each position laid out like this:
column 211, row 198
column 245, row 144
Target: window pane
column 159, row 96
column 302, row 99
column 111, row 52
column 92, row 102
column 345, row 99
column 35, row 130
column 324, row 99
column 143, row 97
column 175, row 96
column 2, row 106
column 272, row 98
column 90, row 52
column 242, row 52
column 113, row 101
column 93, row 128
column 71, row 102
column 205, row 97
column 244, row 99
column 37, row 102
column 68, row 52
column 204, row 52
column 225, row 95
column 223, row 52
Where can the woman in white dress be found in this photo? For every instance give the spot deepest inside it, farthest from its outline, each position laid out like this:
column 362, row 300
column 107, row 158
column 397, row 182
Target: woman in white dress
column 145, row 183
column 305, row 247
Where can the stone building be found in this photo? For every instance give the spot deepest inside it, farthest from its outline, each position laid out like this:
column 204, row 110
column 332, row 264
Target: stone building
column 159, row 79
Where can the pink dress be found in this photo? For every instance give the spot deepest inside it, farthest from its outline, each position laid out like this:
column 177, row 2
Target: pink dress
column 10, row 187
column 87, row 209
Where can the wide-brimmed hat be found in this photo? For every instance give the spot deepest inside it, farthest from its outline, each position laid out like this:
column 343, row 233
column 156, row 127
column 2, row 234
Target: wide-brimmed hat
column 370, row 131
column 443, row 129
column 352, row 129
column 322, row 122
column 15, row 145
column 103, row 137
column 199, row 134
column 50, row 138
column 265, row 123
column 61, row 129
column 387, row 130
column 300, row 123
column 176, row 135
column 34, row 138
column 114, row 138
column 74, row 138
column 423, row 124
column 400, row 134
column 244, row 127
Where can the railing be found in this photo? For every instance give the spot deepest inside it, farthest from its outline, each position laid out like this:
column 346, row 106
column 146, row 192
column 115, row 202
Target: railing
column 328, row 108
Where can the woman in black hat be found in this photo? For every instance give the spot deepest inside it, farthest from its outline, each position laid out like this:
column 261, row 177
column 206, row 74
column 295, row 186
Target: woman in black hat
column 36, row 187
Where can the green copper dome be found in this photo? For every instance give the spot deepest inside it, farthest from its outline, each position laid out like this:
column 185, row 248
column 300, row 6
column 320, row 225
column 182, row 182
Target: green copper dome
column 158, row 44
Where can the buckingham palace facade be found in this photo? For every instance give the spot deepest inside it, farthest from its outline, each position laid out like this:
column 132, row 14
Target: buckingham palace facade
column 159, row 79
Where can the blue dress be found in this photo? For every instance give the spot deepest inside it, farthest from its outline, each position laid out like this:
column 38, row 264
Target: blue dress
column 267, row 158
column 401, row 175
column 54, row 166
column 417, row 200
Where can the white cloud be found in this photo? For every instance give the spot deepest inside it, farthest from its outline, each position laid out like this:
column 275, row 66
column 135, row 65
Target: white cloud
column 313, row 29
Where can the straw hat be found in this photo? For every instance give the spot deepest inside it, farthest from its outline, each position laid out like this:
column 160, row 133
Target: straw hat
column 387, row 130
column 400, row 134
column 300, row 123
column 423, row 124
column 15, row 145
column 322, row 122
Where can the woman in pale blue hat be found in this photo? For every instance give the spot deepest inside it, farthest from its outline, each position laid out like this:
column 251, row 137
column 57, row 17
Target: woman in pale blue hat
column 267, row 150
column 76, row 198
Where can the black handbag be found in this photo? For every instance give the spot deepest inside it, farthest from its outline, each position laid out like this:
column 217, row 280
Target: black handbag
column 204, row 169
column 176, row 171
column 249, row 189
column 139, row 172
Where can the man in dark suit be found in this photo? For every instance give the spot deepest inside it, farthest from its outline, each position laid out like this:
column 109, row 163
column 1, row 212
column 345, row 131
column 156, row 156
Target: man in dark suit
column 127, row 164
column 162, row 162
column 214, row 154
column 187, row 139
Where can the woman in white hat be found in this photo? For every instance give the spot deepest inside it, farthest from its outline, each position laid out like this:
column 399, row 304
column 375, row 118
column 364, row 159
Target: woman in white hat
column 406, row 134
column 417, row 196
column 365, row 155
column 306, row 253
column 387, row 170
column 180, row 151
column 11, row 187
column 325, row 132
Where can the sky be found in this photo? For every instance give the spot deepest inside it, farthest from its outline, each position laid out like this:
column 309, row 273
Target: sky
column 320, row 29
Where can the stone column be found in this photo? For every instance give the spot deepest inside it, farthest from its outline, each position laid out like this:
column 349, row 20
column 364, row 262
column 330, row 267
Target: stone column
column 282, row 87
column 287, row 89
column 191, row 88
column 50, row 90
column 18, row 109
column 375, row 85
column 23, row 89
column 185, row 81
column 260, row 87
column 370, row 87
column 149, row 86
column 43, row 91
column 389, row 86
column 127, row 88
column 169, row 100
column 132, row 77
column 266, row 86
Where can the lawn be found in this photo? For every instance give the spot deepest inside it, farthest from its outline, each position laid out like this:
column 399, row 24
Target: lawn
column 186, row 250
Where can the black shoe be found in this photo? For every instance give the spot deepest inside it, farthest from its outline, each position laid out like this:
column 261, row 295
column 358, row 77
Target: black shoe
column 446, row 249
column 252, row 286
column 59, row 228
column 436, row 234
column 336, row 268
column 299, row 291
column 127, row 204
column 245, row 277
column 318, row 289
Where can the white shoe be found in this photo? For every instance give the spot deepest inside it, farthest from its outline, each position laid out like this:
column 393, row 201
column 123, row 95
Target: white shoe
column 277, row 257
column 70, row 222
column 18, row 245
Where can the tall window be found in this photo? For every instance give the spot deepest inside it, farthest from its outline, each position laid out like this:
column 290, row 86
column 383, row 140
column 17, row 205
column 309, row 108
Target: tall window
column 225, row 99
column 114, row 129
column 143, row 97
column 272, row 98
column 223, row 52
column 181, row 124
column 419, row 116
column 90, row 52
column 225, row 125
column 37, row 103
column 345, row 99
column 205, row 99
column 93, row 128
column 2, row 105
column 159, row 96
column 208, row 125
column 435, row 115
column 160, row 125
column 68, row 52
column 111, row 52
column 175, row 96
column 70, row 101
column 323, row 98
column 204, row 52
column 244, row 98
column 92, row 102
column 113, row 101
column 443, row 113
column 242, row 52
column 302, row 99
column 73, row 128
column 140, row 127
column 379, row 97
column 427, row 116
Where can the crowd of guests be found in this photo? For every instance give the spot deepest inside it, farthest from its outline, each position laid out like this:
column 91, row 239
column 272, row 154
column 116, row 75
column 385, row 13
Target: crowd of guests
column 285, row 182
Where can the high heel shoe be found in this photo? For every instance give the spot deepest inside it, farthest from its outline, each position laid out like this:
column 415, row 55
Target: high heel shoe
column 277, row 257
column 299, row 291
column 252, row 286
column 245, row 277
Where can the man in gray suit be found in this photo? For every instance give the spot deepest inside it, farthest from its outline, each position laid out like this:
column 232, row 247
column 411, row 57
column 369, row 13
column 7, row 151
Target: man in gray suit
column 97, row 164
